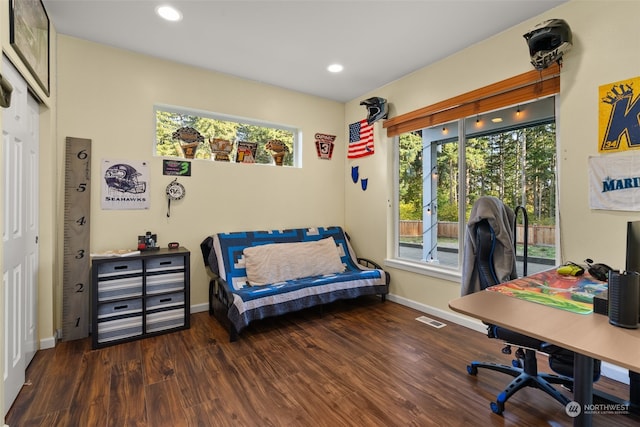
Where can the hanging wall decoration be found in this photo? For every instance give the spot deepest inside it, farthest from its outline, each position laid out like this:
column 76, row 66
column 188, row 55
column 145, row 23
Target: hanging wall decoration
column 324, row 145
column 278, row 150
column 221, row 148
column 360, row 139
column 246, row 152
column 355, row 177
column 548, row 42
column 174, row 191
column 176, row 167
column 619, row 116
column 189, row 140
column 355, row 174
column 614, row 182
column 29, row 36
column 377, row 109
column 125, row 184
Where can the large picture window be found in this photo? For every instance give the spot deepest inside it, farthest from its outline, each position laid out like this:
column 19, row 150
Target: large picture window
column 210, row 136
column 442, row 170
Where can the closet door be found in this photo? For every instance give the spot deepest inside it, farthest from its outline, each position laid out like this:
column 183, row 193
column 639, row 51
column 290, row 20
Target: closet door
column 20, row 232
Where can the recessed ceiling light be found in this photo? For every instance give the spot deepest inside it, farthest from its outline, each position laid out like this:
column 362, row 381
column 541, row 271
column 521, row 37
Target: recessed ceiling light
column 335, row 68
column 169, row 13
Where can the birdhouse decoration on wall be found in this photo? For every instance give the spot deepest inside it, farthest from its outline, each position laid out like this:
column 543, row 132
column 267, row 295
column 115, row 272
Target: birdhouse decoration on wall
column 221, row 148
column 278, row 150
column 189, row 140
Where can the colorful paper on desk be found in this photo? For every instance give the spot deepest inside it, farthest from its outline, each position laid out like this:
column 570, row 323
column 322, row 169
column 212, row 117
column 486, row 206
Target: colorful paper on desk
column 569, row 293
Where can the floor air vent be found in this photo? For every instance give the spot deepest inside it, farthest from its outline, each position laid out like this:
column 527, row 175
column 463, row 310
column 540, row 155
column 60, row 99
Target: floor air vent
column 431, row 322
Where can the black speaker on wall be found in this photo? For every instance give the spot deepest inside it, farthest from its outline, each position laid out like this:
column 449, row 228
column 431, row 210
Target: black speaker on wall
column 624, row 298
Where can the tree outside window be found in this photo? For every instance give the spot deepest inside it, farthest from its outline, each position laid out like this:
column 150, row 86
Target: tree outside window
column 514, row 160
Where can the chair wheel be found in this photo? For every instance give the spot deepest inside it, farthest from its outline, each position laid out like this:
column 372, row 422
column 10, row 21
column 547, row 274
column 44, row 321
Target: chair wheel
column 497, row 408
column 516, row 363
column 472, row 370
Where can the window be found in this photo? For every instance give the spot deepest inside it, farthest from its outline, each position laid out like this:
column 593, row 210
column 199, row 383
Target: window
column 201, row 135
column 509, row 153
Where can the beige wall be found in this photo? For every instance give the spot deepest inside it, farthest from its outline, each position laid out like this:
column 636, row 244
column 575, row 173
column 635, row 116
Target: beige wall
column 605, row 35
column 107, row 95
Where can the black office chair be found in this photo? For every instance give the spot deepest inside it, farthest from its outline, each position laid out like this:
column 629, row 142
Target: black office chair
column 524, row 368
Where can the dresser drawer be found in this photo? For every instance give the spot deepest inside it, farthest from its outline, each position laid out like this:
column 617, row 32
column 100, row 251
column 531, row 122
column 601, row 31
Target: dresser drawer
column 162, row 320
column 119, row 329
column 165, row 283
column 125, row 287
column 166, row 263
column 119, row 267
column 120, row 308
column 165, row 301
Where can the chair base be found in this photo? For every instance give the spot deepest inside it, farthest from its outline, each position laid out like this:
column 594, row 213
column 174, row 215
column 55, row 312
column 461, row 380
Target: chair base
column 527, row 376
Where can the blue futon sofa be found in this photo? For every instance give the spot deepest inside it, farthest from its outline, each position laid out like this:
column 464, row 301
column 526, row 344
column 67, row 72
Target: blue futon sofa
column 235, row 301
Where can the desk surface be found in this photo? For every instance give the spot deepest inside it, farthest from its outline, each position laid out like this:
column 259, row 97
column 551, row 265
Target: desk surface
column 588, row 334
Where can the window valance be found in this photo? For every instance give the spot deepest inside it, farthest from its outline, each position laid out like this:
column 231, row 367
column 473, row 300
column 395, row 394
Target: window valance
column 518, row 89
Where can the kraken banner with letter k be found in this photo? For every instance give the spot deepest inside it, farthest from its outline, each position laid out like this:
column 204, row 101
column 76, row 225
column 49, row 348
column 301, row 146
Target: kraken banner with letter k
column 619, row 116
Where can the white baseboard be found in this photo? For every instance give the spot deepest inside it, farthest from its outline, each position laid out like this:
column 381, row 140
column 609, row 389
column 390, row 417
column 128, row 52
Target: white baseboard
column 615, row 372
column 608, row 370
column 49, row 342
column 459, row 319
column 198, row 308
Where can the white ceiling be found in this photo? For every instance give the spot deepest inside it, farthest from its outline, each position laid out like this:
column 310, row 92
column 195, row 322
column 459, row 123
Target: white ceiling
column 290, row 43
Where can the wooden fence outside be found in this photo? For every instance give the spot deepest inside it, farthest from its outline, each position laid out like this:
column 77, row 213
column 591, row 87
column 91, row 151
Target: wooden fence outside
column 539, row 235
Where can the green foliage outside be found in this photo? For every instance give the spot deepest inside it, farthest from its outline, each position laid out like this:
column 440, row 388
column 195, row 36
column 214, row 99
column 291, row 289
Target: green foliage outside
column 517, row 166
column 410, row 176
column 169, row 122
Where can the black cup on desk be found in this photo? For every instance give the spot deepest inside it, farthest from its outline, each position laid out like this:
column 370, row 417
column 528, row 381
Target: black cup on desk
column 624, row 298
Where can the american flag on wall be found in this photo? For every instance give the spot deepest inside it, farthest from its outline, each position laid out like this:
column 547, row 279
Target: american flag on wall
column 360, row 139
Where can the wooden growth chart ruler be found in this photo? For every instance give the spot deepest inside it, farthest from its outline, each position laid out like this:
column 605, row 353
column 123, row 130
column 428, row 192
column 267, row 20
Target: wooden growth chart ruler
column 77, row 260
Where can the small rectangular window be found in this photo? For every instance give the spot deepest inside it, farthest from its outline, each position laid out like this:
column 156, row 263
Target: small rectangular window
column 211, row 136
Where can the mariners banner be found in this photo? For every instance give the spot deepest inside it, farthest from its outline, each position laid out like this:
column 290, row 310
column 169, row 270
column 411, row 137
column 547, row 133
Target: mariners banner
column 614, row 182
column 619, row 116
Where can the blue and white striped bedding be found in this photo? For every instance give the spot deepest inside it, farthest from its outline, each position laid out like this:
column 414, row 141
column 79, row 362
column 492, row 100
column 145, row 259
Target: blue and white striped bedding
column 257, row 302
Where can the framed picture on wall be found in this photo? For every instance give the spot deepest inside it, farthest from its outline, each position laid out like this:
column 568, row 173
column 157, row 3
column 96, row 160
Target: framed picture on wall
column 29, row 36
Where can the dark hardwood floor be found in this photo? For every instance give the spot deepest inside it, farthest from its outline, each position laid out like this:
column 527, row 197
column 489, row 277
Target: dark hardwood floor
column 360, row 363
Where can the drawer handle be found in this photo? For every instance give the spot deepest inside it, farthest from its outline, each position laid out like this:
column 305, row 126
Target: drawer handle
column 165, row 300
column 120, row 267
column 120, row 307
column 165, row 262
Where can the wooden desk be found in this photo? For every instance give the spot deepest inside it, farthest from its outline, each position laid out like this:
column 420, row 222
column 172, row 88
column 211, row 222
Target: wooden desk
column 590, row 336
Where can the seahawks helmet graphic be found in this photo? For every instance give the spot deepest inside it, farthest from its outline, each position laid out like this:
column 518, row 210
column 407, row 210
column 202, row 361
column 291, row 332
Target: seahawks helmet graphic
column 124, row 178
